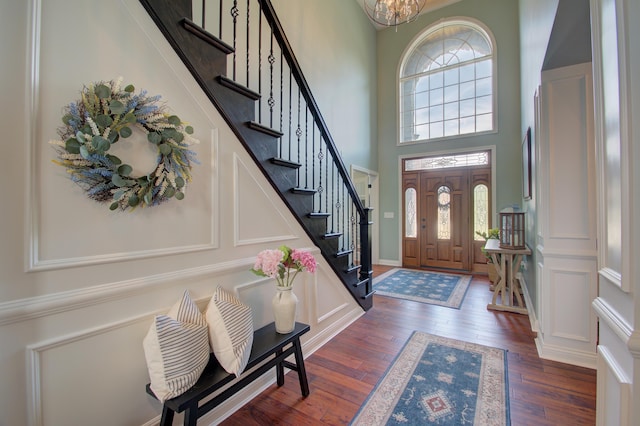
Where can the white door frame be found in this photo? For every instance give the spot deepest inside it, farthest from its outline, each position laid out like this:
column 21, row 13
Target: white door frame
column 372, row 203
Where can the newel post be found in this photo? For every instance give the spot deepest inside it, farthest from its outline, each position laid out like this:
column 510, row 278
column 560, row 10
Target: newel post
column 366, row 268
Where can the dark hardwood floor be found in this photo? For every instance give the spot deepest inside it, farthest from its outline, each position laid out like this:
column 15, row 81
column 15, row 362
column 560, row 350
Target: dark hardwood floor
column 344, row 371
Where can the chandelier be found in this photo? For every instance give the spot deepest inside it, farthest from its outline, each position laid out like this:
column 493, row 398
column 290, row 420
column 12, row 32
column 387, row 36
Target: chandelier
column 391, row 13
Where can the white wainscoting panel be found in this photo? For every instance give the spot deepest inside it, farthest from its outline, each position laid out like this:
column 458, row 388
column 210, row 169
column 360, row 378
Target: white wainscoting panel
column 106, row 364
column 57, row 234
column 250, row 225
column 613, row 398
column 566, row 245
column 568, row 324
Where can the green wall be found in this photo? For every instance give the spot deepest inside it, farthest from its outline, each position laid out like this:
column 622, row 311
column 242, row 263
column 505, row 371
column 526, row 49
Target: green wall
column 501, row 18
column 335, row 45
column 536, row 23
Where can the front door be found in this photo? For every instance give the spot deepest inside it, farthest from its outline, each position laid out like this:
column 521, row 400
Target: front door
column 443, row 209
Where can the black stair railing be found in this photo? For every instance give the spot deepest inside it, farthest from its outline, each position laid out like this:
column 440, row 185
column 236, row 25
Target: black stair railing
column 262, row 61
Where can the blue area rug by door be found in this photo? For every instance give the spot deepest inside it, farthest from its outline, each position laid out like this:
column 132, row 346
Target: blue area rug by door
column 440, row 381
column 435, row 288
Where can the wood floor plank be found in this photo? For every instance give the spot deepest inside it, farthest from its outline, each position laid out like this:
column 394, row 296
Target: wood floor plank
column 344, row 371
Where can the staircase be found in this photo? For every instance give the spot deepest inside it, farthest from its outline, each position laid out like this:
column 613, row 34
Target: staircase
column 239, row 55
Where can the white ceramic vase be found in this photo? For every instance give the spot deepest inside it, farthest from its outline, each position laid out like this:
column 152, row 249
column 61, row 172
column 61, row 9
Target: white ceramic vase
column 285, row 304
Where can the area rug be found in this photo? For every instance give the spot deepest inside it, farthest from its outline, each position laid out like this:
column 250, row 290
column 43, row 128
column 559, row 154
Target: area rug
column 440, row 381
column 435, row 288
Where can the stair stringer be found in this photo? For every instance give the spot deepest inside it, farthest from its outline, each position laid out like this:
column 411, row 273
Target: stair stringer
column 206, row 58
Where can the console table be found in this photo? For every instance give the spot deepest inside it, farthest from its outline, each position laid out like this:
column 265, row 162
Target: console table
column 506, row 295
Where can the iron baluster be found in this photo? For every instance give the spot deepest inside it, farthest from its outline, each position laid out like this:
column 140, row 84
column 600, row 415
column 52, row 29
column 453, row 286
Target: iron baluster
column 271, row 102
column 260, row 61
column 298, row 134
column 234, row 13
column 248, row 37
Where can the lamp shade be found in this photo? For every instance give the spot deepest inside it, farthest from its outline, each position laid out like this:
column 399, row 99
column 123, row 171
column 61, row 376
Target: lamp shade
column 512, row 230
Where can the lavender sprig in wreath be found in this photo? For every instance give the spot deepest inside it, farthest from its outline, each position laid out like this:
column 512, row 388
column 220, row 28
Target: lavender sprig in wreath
column 103, row 115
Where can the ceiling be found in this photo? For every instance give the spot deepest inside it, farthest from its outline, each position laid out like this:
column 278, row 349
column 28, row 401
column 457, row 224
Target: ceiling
column 430, row 6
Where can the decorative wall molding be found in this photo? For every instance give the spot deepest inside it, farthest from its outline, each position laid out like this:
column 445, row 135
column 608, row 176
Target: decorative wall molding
column 331, row 313
column 613, row 134
column 634, row 344
column 36, row 351
column 612, row 276
column 566, row 250
column 33, row 209
column 569, row 254
column 614, row 393
column 607, row 314
column 41, row 306
column 32, row 101
column 240, row 168
column 34, row 360
column 76, row 262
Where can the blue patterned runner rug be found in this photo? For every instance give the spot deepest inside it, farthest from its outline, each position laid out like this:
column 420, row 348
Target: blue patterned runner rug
column 435, row 288
column 440, row 381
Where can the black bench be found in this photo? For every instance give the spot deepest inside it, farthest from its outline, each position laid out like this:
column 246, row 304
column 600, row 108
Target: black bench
column 266, row 344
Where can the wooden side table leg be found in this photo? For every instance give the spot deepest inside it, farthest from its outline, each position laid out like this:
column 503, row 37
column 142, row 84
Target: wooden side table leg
column 191, row 415
column 516, row 282
column 509, row 272
column 279, row 370
column 167, row 416
column 503, row 279
column 302, row 372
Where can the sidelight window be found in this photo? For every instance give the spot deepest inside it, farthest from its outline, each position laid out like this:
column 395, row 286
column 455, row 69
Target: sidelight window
column 480, row 211
column 411, row 213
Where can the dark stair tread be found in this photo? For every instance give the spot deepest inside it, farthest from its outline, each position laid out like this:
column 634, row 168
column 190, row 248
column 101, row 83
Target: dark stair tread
column 330, row 235
column 303, row 191
column 343, row 253
column 264, row 129
column 286, row 163
column 205, row 35
column 361, row 283
column 227, row 82
column 317, row 215
column 352, row 268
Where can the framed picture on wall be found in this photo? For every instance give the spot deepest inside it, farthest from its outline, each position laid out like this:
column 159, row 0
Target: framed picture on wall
column 526, row 165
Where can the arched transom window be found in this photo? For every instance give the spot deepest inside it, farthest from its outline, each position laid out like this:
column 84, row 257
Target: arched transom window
column 447, row 83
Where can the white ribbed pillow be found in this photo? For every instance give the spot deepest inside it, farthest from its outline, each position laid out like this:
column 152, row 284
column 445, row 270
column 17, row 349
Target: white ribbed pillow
column 176, row 349
column 230, row 330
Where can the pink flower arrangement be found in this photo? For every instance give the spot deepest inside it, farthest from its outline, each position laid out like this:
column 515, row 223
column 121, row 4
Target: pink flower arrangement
column 280, row 263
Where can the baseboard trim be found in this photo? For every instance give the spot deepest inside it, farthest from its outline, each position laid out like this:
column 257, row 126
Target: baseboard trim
column 533, row 319
column 567, row 356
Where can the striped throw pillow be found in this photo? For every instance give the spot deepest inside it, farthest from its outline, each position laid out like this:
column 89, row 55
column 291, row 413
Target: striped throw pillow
column 230, row 330
column 176, row 349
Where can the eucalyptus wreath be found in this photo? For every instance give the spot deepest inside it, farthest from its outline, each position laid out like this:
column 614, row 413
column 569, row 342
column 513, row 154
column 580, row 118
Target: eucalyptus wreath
column 103, row 115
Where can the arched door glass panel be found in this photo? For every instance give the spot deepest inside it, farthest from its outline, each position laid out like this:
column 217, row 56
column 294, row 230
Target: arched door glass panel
column 444, row 213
